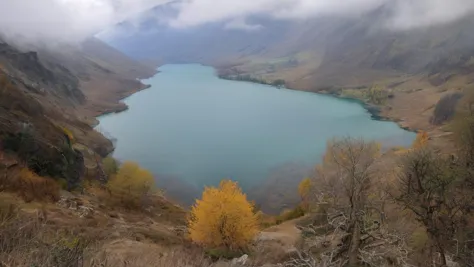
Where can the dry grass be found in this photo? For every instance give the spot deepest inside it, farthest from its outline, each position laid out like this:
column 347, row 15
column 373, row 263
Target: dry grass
column 42, row 241
column 152, row 205
column 29, row 186
column 29, row 241
column 124, row 252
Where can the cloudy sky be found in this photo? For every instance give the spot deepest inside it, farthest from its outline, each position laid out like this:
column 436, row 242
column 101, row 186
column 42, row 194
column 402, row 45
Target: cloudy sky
column 74, row 20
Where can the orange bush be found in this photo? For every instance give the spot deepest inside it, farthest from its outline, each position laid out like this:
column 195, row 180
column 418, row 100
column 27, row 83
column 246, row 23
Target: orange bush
column 30, row 186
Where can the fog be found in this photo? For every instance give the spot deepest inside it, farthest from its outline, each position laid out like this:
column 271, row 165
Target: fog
column 74, row 20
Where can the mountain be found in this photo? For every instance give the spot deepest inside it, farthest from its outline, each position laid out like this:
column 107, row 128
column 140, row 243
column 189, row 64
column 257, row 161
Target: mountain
column 310, row 54
column 49, row 97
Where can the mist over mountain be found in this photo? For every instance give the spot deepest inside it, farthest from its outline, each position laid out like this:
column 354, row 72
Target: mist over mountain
column 323, row 50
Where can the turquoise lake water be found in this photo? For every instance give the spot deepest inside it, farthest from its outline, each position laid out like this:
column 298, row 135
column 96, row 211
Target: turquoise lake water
column 195, row 128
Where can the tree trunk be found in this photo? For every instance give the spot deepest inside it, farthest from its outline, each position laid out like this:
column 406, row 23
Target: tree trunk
column 355, row 244
column 441, row 253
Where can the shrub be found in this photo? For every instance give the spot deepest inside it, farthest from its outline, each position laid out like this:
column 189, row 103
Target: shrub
column 110, row 166
column 28, row 241
column 377, row 95
column 223, row 218
column 287, row 215
column 30, row 186
column 44, row 159
column 131, row 185
column 421, row 140
column 304, row 188
column 445, row 108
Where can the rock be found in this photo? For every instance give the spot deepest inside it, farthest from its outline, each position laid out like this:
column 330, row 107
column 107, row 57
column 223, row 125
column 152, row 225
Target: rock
column 115, row 234
column 76, row 205
column 291, row 253
column 307, row 231
column 451, row 263
column 240, row 261
column 180, row 230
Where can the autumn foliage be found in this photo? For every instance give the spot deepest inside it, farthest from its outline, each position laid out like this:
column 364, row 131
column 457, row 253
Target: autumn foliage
column 131, row 184
column 29, row 186
column 304, row 188
column 223, row 218
column 421, row 140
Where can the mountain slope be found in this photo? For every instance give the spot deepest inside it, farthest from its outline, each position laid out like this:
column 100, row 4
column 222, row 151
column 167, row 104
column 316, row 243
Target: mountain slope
column 48, row 96
column 309, row 54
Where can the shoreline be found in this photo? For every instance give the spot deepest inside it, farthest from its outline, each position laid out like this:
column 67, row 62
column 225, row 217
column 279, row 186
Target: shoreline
column 121, row 106
column 376, row 112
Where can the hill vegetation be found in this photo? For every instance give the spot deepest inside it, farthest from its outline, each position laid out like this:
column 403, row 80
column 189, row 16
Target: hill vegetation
column 65, row 202
column 360, row 207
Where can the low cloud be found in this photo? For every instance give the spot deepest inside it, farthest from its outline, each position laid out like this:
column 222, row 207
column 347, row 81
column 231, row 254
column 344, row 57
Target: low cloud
column 404, row 13
column 421, row 13
column 196, row 12
column 75, row 20
column 241, row 24
column 69, row 21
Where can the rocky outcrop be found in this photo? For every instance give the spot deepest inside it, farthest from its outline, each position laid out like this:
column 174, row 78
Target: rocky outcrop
column 40, row 76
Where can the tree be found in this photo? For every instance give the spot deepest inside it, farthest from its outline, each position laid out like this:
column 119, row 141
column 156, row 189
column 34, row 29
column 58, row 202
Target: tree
column 421, row 140
column 223, row 218
column 342, row 182
column 279, row 83
column 131, row 184
column 377, row 95
column 110, row 166
column 304, row 188
column 446, row 108
column 428, row 187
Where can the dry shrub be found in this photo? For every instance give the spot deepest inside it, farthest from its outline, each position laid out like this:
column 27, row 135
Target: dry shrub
column 269, row 253
column 29, row 186
column 28, row 241
column 290, row 214
column 124, row 252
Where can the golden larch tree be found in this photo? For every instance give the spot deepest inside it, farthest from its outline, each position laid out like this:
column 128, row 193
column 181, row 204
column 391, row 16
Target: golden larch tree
column 223, row 218
column 421, row 140
column 304, row 188
column 131, row 183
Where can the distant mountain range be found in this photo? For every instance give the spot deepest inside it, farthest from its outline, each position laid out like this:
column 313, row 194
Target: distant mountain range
column 309, row 54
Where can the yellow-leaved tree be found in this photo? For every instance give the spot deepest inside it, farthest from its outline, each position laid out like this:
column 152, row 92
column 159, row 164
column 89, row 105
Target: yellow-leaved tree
column 304, row 188
column 223, row 218
column 421, row 140
column 131, row 184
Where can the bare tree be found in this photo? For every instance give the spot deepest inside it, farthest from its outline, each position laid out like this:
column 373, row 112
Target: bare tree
column 344, row 179
column 428, row 187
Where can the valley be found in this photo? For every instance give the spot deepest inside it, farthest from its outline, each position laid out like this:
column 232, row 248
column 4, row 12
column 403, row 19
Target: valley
column 236, row 134
column 192, row 129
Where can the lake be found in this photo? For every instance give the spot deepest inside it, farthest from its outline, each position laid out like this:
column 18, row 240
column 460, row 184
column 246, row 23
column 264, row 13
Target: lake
column 192, row 129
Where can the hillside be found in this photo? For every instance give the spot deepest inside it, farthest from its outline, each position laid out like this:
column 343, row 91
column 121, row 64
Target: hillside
column 45, row 90
column 65, row 202
column 54, row 210
column 309, row 54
